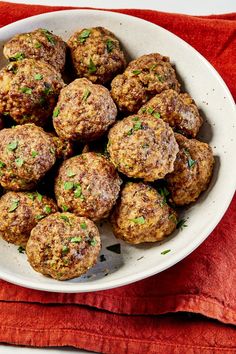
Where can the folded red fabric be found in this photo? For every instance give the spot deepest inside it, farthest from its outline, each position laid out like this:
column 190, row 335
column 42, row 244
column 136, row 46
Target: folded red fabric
column 202, row 283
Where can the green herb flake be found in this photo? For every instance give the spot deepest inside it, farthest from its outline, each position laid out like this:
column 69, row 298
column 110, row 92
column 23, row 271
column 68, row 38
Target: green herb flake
column 65, row 207
column 21, row 249
column 39, row 196
column 150, row 110
column 143, row 110
column 110, row 45
column 31, row 196
column 65, row 249
column 19, row 162
column 173, row 218
column 2, row 164
column 140, row 220
column 181, row 224
column 78, row 191
column 47, row 89
column 37, row 45
column 137, row 126
column 47, row 209
column 49, row 36
column 34, row 154
column 65, row 218
column 92, row 67
column 135, row 119
column 12, row 146
column 56, row 112
column 153, row 66
column 84, row 35
column 38, row 77
column 68, row 186
column 86, row 95
column 17, row 56
column 76, row 239
column 83, row 226
column 157, row 115
column 160, row 78
column 165, row 252
column 39, row 217
column 191, row 162
column 114, row 248
column 164, row 193
column 136, row 72
column 14, row 205
column 93, row 242
column 26, row 90
column 130, row 132
column 71, row 174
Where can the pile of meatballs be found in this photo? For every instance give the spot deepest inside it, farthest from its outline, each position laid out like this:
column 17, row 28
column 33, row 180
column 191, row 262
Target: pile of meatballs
column 117, row 142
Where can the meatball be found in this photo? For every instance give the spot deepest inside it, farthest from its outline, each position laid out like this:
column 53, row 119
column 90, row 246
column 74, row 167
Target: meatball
column 96, row 54
column 143, row 78
column 87, row 185
column 63, row 148
column 29, row 91
column 177, row 109
column 63, row 246
column 84, row 111
column 142, row 215
column 26, row 154
column 40, row 45
column 192, row 170
column 142, row 146
column 19, row 214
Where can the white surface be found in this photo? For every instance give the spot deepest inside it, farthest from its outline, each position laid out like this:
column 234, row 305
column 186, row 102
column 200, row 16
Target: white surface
column 212, row 97
column 201, row 7
column 194, row 7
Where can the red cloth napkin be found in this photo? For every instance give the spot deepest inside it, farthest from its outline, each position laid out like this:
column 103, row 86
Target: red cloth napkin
column 203, row 283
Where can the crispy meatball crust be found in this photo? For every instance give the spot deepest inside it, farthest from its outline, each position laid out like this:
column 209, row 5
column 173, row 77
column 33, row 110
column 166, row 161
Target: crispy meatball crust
column 96, row 54
column 142, row 146
column 26, row 154
column 84, row 111
column 87, row 185
column 40, row 45
column 29, row 90
column 141, row 215
column 192, row 170
column 143, row 78
column 20, row 212
column 177, row 109
column 63, row 246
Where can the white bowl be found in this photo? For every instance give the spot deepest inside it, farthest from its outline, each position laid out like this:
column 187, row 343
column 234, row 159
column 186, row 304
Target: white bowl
column 215, row 101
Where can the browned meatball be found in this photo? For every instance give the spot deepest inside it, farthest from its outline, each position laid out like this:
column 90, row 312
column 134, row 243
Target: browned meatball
column 29, row 91
column 87, row 185
column 177, row 109
column 96, row 54
column 84, row 111
column 19, row 214
column 143, row 78
column 26, row 154
column 192, row 170
column 142, row 146
column 63, row 148
column 40, row 45
column 63, row 246
column 142, row 215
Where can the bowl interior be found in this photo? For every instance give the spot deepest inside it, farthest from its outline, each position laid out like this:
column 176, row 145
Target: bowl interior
column 219, row 130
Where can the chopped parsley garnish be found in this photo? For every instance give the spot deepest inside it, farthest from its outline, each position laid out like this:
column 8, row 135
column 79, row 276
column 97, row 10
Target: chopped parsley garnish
column 93, row 242
column 84, row 35
column 14, row 205
column 153, row 66
column 160, row 78
column 136, row 72
column 164, row 193
column 31, row 196
column 17, row 56
column 137, row 126
column 12, row 146
column 71, row 174
column 92, row 67
column 173, row 218
column 39, row 196
column 21, row 249
column 26, row 90
column 83, row 226
column 47, row 209
column 39, row 217
column 65, row 218
column 86, row 94
column 150, row 110
column 65, row 207
column 65, row 249
column 19, row 162
column 2, row 164
column 181, row 224
column 78, row 191
column 34, row 154
column 191, row 162
column 37, row 45
column 76, row 239
column 156, row 115
column 47, row 89
column 114, row 248
column 38, row 77
column 49, row 36
column 56, row 112
column 165, row 252
column 68, row 186
column 109, row 45
column 135, row 119
column 140, row 220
